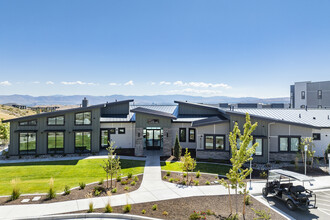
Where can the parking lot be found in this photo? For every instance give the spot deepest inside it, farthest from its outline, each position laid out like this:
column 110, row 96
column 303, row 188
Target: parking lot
column 322, row 203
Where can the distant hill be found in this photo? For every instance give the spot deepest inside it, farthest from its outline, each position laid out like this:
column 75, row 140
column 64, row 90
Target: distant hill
column 157, row 99
column 8, row 112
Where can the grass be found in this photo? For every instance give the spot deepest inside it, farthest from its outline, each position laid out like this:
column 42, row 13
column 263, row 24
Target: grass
column 202, row 167
column 34, row 177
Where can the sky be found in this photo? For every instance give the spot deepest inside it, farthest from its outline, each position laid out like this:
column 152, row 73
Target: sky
column 236, row 48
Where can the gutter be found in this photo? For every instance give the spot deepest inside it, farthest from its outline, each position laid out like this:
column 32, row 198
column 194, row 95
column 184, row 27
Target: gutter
column 269, row 124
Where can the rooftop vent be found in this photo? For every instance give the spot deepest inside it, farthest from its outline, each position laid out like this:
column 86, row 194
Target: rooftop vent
column 84, row 103
column 314, row 118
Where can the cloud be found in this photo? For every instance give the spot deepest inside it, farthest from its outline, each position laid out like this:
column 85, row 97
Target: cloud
column 152, row 83
column 202, row 84
column 129, row 83
column 195, row 92
column 50, row 83
column 79, row 83
column 5, row 83
column 164, row 83
column 36, row 82
column 114, row 84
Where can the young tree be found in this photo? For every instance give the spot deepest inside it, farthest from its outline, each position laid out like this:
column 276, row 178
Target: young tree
column 308, row 141
column 177, row 148
column 112, row 164
column 240, row 155
column 187, row 163
column 326, row 152
column 4, row 131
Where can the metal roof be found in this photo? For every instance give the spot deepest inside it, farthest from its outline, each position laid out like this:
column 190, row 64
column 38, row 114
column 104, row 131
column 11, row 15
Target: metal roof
column 293, row 175
column 188, row 119
column 153, row 112
column 317, row 118
column 209, row 121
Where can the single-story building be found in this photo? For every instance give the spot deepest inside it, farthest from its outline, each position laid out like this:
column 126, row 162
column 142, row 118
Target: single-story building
column 202, row 128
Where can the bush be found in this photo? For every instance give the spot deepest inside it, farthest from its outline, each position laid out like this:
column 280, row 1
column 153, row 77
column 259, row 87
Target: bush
column 136, row 178
column 82, row 185
column 196, row 216
column 154, row 207
column 171, row 180
column 247, row 200
column 97, row 192
column 209, row 212
column 133, row 183
column 91, row 207
column 143, row 211
column 207, row 183
column 196, row 182
column 124, row 182
column 165, row 177
column 129, row 175
column 184, row 174
column 51, row 192
column 67, row 190
column 127, row 208
column 126, row 188
column 233, row 217
column 168, row 173
column 114, row 190
column 118, row 178
column 262, row 214
column 165, row 213
column 177, row 148
column 108, row 208
column 16, row 191
column 263, row 175
column 198, row 174
column 101, row 181
column 183, row 182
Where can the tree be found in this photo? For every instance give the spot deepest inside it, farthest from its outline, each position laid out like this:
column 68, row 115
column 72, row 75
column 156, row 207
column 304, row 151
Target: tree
column 4, row 131
column 177, row 148
column 112, row 164
column 326, row 152
column 308, row 141
column 240, row 155
column 187, row 163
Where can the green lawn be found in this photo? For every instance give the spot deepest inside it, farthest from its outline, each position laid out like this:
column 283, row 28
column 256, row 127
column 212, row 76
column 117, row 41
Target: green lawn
column 35, row 176
column 202, row 167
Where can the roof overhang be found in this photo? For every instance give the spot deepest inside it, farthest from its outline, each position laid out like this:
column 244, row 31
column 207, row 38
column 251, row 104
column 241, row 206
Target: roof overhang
column 153, row 112
column 208, row 121
column 293, row 175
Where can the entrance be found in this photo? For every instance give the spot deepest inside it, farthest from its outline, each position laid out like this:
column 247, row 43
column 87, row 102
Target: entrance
column 153, row 138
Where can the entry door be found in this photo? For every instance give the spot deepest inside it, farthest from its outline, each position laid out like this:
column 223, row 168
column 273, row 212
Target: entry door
column 150, row 139
column 153, row 139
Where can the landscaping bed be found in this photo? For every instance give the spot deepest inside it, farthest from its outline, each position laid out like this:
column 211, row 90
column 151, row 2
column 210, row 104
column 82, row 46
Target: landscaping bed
column 178, row 178
column 77, row 193
column 212, row 168
column 181, row 209
column 314, row 171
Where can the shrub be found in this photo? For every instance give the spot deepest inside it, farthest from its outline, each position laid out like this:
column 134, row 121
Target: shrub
column 165, row 213
column 126, row 188
column 118, row 178
column 114, row 190
column 16, row 191
column 165, row 177
column 101, row 181
column 67, row 190
column 143, row 211
column 91, row 207
column 171, row 180
column 51, row 192
column 82, row 185
column 129, row 175
column 108, row 208
column 168, row 173
column 247, row 200
column 198, row 174
column 196, row 216
column 263, row 175
column 183, row 182
column 127, row 208
column 154, row 207
column 133, row 183
column 196, row 182
column 177, row 148
column 209, row 212
column 232, row 217
column 207, row 183
column 261, row 214
column 136, row 178
column 184, row 174
column 97, row 192
column 124, row 182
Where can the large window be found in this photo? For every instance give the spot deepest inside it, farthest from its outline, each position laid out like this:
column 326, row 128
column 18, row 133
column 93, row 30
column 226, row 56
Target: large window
column 58, row 120
column 55, row 142
column 28, row 123
column 121, row 130
column 302, row 94
column 259, row 148
column 182, row 134
column 214, row 142
column 104, row 138
column 82, row 141
column 83, row 118
column 289, row 143
column 319, row 94
column 192, row 135
column 27, row 143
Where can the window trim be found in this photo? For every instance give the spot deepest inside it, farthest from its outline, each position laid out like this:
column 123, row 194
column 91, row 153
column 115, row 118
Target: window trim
column 289, row 143
column 75, row 118
column 19, row 123
column 192, row 140
column 56, row 120
column 104, row 129
column 62, row 152
column 75, row 133
column 214, row 142
column 318, row 138
column 19, row 143
column 119, row 132
column 303, row 95
column 185, row 131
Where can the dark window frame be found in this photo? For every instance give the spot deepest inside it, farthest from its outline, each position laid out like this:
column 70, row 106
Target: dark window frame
column 192, row 140
column 104, row 129
column 319, row 94
column 112, row 130
column 57, row 151
column 185, row 135
column 214, row 142
column 83, row 124
column 27, row 151
column 303, row 94
column 317, row 135
column 28, row 123
column 121, row 132
column 56, row 121
column 262, row 147
column 289, row 143
column 75, row 147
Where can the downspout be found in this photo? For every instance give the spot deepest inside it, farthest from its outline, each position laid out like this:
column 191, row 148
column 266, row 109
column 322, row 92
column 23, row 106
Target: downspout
column 269, row 124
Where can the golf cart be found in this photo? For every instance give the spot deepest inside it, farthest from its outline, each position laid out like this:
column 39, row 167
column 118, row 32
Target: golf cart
column 280, row 185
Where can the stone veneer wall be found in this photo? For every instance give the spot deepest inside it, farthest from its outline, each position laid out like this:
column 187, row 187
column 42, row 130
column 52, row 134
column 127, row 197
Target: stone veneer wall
column 218, row 155
column 285, row 157
column 139, row 142
column 167, row 142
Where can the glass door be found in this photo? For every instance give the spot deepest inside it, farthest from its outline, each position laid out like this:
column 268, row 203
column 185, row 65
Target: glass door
column 157, row 139
column 153, row 138
column 149, row 139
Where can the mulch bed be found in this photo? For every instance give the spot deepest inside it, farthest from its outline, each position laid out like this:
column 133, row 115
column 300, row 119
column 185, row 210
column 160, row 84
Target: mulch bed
column 177, row 177
column 314, row 171
column 78, row 193
column 181, row 209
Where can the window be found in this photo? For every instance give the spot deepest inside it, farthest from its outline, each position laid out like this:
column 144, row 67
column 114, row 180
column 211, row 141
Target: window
column 319, row 106
column 316, row 136
column 28, row 123
column 27, row 143
column 214, row 142
column 55, row 142
column 82, row 141
column 112, row 130
column 153, row 121
column 319, row 94
column 302, row 106
column 182, row 134
column 192, row 135
column 302, row 94
column 104, row 138
column 121, row 130
column 83, row 118
column 59, row 120
column 288, row 143
column 259, row 148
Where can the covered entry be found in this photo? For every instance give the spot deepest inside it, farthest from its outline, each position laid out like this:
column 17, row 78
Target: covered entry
column 153, row 137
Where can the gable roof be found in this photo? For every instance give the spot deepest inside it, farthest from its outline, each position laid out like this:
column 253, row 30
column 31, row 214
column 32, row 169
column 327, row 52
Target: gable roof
column 153, row 112
column 209, row 121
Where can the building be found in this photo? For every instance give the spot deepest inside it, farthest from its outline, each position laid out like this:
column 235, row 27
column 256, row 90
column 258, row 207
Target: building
column 15, row 105
column 204, row 129
column 310, row 94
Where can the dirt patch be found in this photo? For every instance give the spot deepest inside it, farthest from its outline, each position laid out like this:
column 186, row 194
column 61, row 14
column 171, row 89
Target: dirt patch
column 181, row 209
column 178, row 178
column 81, row 193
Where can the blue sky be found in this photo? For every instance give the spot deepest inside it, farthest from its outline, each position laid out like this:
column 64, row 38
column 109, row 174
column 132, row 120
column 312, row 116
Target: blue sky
column 232, row 48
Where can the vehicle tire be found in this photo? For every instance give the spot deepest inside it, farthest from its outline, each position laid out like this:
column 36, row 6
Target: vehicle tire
column 291, row 205
column 264, row 192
